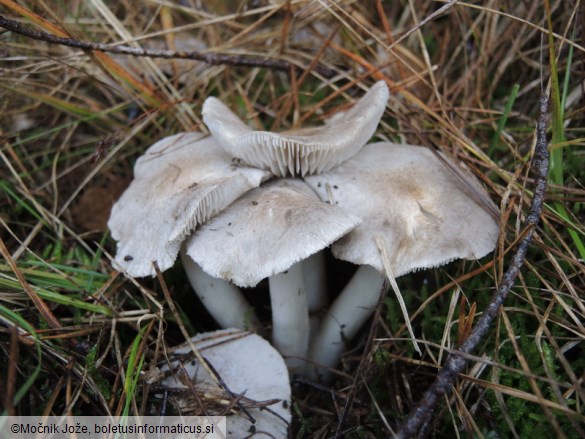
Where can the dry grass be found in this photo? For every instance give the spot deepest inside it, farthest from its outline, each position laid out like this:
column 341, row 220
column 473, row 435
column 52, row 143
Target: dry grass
column 72, row 123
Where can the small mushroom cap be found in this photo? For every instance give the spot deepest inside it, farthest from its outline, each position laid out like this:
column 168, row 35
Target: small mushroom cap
column 266, row 231
column 427, row 212
column 299, row 152
column 249, row 366
column 179, row 182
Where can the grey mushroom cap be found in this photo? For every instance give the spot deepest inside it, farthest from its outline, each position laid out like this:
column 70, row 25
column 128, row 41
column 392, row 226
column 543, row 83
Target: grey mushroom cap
column 427, row 212
column 266, row 231
column 304, row 151
column 180, row 181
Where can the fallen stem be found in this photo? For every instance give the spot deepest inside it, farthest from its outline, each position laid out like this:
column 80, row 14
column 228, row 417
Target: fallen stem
column 456, row 362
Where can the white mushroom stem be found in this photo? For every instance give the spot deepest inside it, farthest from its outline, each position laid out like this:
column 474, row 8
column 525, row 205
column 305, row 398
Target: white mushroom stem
column 290, row 316
column 346, row 316
column 224, row 301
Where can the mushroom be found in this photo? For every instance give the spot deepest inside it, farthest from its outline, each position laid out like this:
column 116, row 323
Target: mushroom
column 266, row 234
column 302, row 151
column 409, row 199
column 253, row 372
column 425, row 210
column 183, row 180
column 180, row 181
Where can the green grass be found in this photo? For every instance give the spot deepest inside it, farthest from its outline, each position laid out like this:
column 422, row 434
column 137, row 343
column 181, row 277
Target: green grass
column 504, row 118
column 18, row 322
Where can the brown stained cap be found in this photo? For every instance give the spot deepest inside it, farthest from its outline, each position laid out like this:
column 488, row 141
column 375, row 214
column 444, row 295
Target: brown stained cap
column 304, row 151
column 427, row 212
column 180, row 181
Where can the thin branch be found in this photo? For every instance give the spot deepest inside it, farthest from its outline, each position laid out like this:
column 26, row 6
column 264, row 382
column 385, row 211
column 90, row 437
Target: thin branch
column 455, row 363
column 208, row 58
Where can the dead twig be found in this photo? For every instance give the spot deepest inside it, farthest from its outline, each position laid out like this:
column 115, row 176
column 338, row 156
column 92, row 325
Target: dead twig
column 208, row 58
column 456, row 362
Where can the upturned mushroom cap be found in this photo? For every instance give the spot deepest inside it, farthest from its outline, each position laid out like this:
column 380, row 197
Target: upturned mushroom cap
column 425, row 213
column 180, row 181
column 304, row 151
column 266, row 231
column 249, row 366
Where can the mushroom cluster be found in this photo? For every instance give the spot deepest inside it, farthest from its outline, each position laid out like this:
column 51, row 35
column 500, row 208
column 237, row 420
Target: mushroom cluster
column 241, row 206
